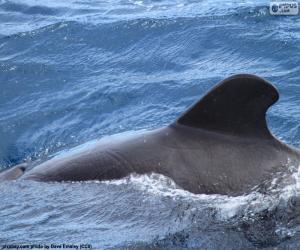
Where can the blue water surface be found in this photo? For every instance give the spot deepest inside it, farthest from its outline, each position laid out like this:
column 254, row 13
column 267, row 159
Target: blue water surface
column 73, row 71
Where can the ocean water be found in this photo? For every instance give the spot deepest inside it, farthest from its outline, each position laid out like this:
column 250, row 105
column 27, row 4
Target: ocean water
column 73, row 71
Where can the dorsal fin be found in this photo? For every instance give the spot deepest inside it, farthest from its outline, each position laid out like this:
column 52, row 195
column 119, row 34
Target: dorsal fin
column 236, row 106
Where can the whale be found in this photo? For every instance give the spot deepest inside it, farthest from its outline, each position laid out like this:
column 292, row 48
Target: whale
column 13, row 173
column 220, row 145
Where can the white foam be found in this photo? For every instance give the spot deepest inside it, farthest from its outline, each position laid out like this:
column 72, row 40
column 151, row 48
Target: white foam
column 227, row 207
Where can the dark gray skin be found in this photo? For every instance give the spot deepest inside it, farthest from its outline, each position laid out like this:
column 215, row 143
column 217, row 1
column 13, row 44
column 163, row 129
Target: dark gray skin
column 221, row 145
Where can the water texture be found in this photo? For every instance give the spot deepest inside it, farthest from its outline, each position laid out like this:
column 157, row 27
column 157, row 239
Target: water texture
column 73, row 71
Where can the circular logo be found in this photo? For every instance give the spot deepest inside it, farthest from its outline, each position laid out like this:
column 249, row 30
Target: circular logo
column 274, row 7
